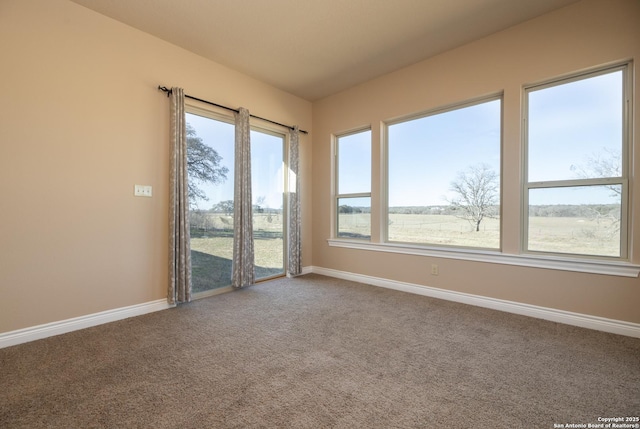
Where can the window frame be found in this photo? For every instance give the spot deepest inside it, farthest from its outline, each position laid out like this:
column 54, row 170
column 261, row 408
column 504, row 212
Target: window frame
column 514, row 256
column 336, row 185
column 623, row 180
column 497, row 96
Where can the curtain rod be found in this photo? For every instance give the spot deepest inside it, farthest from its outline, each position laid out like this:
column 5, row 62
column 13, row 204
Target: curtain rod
column 168, row 91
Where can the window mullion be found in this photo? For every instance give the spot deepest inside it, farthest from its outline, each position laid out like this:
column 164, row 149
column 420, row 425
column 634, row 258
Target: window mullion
column 576, row 182
column 355, row 195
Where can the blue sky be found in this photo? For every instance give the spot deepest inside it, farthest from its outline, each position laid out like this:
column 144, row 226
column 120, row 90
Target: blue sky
column 428, row 153
column 266, row 162
column 354, row 163
column 568, row 125
column 572, row 122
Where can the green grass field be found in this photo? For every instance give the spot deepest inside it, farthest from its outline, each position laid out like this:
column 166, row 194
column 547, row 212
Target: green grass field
column 212, row 250
column 212, row 239
column 578, row 235
column 443, row 230
column 574, row 235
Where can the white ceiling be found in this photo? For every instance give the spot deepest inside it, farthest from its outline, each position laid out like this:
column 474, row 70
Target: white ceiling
column 315, row 48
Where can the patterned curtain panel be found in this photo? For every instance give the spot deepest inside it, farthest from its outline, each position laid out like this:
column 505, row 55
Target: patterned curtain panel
column 179, row 246
column 243, row 258
column 294, row 266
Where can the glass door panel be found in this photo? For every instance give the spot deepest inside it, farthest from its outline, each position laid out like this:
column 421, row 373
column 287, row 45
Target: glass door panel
column 267, row 190
column 210, row 161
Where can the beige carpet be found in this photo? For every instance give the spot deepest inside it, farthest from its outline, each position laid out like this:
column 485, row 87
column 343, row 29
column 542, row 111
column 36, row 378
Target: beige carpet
column 316, row 352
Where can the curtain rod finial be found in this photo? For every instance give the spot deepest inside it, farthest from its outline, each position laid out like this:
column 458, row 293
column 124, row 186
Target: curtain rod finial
column 165, row 89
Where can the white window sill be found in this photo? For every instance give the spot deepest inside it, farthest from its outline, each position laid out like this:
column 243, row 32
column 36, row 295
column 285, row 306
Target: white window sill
column 593, row 266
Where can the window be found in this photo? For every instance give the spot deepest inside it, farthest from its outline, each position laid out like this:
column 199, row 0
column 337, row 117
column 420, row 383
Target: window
column 444, row 177
column 353, row 185
column 575, row 190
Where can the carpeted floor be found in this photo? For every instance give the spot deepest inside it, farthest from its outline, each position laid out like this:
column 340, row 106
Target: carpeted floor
column 316, row 352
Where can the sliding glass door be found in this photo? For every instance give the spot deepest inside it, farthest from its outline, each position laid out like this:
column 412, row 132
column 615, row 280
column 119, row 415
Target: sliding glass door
column 210, row 163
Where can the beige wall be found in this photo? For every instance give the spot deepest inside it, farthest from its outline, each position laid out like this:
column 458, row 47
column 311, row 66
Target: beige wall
column 81, row 122
column 580, row 36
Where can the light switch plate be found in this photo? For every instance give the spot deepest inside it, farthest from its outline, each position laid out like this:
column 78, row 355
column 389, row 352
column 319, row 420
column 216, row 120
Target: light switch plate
column 142, row 190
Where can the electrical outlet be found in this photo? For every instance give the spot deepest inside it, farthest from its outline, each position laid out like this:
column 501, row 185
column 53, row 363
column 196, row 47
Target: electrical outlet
column 142, row 190
column 434, row 269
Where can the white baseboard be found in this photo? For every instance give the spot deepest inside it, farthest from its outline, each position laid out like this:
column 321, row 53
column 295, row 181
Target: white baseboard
column 20, row 336
column 303, row 271
column 619, row 327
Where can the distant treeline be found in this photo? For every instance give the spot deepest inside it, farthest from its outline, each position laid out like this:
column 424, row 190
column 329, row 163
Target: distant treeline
column 573, row 210
column 551, row 210
column 226, row 207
